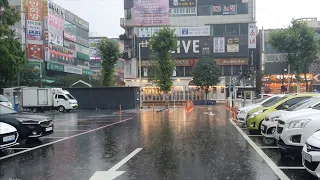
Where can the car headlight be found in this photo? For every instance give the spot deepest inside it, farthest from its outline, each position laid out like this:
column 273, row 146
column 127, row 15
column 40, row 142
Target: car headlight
column 274, row 118
column 256, row 113
column 243, row 112
column 298, row 123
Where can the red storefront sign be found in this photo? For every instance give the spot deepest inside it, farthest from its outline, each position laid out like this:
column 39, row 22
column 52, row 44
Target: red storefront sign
column 35, row 51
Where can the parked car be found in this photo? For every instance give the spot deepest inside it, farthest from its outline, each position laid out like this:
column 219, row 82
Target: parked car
column 268, row 126
column 257, row 115
column 243, row 112
column 294, row 129
column 4, row 101
column 8, row 135
column 28, row 125
column 311, row 154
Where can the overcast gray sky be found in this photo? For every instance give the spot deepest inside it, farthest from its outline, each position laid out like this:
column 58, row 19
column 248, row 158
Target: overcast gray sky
column 104, row 15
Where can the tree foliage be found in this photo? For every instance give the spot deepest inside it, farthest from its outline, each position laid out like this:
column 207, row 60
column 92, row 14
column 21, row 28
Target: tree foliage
column 161, row 45
column 299, row 44
column 206, row 73
column 12, row 57
column 110, row 53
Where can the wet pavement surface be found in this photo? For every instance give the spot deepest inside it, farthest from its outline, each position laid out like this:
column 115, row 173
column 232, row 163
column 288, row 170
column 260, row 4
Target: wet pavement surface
column 175, row 145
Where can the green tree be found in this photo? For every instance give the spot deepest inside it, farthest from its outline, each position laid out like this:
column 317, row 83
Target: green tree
column 12, row 57
column 110, row 54
column 206, row 74
column 299, row 44
column 163, row 66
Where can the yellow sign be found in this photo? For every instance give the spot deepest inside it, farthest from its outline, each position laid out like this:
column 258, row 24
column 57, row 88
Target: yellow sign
column 23, row 5
column 45, row 8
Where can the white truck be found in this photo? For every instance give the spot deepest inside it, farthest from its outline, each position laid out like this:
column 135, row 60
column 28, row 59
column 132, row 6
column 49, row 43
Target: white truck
column 41, row 99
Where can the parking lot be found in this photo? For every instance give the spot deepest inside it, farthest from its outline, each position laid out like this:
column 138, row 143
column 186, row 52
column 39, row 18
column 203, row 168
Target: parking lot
column 202, row 144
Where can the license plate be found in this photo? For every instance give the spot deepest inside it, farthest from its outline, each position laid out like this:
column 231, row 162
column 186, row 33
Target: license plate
column 49, row 129
column 306, row 156
column 9, row 138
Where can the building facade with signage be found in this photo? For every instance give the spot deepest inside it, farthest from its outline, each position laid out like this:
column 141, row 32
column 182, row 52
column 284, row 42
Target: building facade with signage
column 275, row 68
column 55, row 36
column 224, row 30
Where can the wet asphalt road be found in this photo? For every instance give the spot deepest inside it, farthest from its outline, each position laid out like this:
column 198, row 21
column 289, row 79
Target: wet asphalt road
column 175, row 145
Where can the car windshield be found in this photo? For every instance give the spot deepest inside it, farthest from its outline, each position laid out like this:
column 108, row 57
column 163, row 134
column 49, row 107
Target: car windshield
column 3, row 99
column 271, row 99
column 6, row 110
column 70, row 96
column 275, row 101
column 300, row 104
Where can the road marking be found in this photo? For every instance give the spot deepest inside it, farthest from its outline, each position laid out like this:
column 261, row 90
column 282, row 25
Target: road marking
column 293, row 168
column 53, row 142
column 17, row 148
column 49, row 137
column 113, row 173
column 271, row 164
column 66, row 130
column 254, row 135
column 268, row 147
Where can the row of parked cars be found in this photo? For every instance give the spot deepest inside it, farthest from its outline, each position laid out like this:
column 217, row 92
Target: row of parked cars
column 292, row 121
column 16, row 126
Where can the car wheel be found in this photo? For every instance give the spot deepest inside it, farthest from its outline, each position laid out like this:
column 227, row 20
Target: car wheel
column 34, row 110
column 61, row 109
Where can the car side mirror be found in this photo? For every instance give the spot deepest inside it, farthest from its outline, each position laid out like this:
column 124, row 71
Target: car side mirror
column 286, row 107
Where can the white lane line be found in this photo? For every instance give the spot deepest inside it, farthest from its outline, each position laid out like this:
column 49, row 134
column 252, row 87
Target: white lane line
column 271, row 164
column 289, row 167
column 113, row 173
column 66, row 130
column 268, row 147
column 254, row 135
column 49, row 137
column 17, row 148
column 44, row 145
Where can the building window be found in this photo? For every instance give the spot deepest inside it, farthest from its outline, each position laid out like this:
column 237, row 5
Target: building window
column 244, row 29
column 204, row 10
column 242, row 8
column 236, row 70
column 128, row 14
column 232, row 29
column 219, row 29
column 227, row 70
column 188, row 70
column 179, row 71
column 181, row 11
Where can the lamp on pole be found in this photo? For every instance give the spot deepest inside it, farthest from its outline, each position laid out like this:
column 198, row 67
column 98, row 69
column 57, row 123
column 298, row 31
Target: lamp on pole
column 40, row 68
column 140, row 83
column 282, row 87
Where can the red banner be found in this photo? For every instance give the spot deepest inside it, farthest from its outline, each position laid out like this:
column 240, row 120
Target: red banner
column 35, row 51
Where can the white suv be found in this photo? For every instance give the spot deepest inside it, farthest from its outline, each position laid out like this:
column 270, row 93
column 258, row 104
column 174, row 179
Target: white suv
column 269, row 124
column 295, row 128
column 243, row 112
column 311, row 154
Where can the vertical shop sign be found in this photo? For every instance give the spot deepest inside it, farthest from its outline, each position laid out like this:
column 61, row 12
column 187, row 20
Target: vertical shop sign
column 45, row 8
column 219, row 45
column 252, row 36
column 35, row 10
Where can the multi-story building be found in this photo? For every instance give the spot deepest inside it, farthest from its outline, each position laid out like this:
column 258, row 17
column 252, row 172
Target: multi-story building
column 95, row 61
column 53, row 36
column 276, row 70
column 222, row 29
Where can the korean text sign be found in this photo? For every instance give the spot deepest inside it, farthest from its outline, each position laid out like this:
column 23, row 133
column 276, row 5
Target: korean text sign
column 151, row 12
column 35, row 10
column 56, row 21
column 34, row 29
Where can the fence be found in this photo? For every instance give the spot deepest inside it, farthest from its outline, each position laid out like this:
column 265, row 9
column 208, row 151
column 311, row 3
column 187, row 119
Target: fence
column 106, row 98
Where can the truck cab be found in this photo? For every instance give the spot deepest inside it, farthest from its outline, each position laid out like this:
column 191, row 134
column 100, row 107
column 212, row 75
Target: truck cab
column 63, row 100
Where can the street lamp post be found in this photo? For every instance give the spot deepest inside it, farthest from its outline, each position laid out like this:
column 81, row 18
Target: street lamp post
column 140, row 68
column 282, row 87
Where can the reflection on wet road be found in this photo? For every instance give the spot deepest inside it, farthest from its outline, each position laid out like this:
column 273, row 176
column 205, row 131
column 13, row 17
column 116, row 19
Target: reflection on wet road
column 175, row 145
